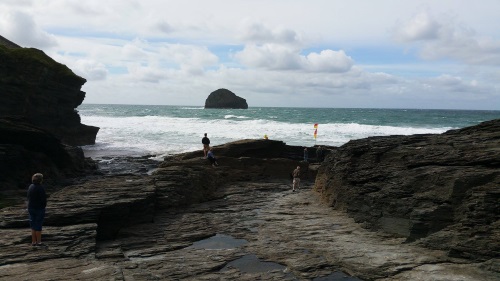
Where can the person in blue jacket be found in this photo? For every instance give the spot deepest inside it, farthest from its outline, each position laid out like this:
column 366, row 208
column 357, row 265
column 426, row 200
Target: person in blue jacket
column 37, row 201
column 211, row 158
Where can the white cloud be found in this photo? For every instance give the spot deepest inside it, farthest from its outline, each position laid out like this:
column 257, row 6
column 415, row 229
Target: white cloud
column 455, row 84
column 421, row 27
column 134, row 50
column 191, row 59
column 448, row 39
column 17, row 2
column 329, row 53
column 257, row 33
column 20, row 28
column 269, row 56
column 328, row 61
column 84, row 8
column 91, row 70
column 145, row 74
column 281, row 57
column 164, row 27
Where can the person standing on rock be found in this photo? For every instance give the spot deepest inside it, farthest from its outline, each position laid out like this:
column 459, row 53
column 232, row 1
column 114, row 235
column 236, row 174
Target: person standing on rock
column 306, row 155
column 296, row 179
column 319, row 154
column 37, row 201
column 206, row 145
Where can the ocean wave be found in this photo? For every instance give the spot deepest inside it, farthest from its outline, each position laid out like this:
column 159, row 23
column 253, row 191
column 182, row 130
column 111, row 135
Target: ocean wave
column 193, row 108
column 160, row 135
column 229, row 116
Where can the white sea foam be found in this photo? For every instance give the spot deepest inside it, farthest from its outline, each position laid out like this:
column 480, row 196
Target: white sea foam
column 234, row 116
column 159, row 135
column 192, row 108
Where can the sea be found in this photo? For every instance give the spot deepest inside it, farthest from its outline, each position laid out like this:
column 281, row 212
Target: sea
column 157, row 131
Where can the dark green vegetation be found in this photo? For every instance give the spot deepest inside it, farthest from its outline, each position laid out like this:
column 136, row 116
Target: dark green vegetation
column 20, row 56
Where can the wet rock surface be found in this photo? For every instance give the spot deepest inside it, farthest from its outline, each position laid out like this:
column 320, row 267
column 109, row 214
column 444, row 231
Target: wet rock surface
column 191, row 221
column 440, row 191
column 253, row 231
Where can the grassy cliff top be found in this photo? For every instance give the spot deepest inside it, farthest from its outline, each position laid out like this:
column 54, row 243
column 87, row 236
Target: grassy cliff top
column 26, row 56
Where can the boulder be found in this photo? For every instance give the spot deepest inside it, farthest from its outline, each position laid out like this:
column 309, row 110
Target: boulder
column 440, row 191
column 44, row 92
column 223, row 98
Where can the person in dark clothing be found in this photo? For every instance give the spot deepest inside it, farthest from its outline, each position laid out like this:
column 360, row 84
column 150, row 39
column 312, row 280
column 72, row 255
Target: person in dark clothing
column 211, row 158
column 37, row 201
column 206, row 145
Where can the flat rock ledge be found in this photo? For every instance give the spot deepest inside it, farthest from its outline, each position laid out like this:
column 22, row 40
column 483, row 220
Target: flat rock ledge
column 190, row 221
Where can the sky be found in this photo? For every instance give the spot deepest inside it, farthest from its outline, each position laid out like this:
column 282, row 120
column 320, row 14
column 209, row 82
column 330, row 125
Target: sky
column 434, row 54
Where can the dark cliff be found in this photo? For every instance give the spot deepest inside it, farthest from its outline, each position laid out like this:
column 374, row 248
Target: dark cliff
column 44, row 92
column 440, row 191
column 26, row 149
column 39, row 126
column 223, row 98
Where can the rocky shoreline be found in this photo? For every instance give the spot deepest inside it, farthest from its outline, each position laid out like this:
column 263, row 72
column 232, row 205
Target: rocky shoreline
column 422, row 207
column 239, row 221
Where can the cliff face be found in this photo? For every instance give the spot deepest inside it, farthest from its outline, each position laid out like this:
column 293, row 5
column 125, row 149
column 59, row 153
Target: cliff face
column 38, row 121
column 441, row 191
column 223, row 98
column 44, row 92
column 26, row 149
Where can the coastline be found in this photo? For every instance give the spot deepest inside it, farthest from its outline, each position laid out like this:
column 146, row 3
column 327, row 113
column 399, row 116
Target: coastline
column 143, row 226
column 168, row 130
column 395, row 197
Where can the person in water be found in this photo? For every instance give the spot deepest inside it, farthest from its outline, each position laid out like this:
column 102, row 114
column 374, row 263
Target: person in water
column 37, row 201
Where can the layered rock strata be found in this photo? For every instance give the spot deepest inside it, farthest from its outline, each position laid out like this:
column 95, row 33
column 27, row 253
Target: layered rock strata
column 439, row 191
column 191, row 221
column 39, row 125
column 44, row 92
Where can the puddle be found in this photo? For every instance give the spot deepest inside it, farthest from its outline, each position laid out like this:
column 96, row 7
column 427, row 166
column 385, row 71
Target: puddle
column 252, row 264
column 336, row 226
column 337, row 276
column 218, row 242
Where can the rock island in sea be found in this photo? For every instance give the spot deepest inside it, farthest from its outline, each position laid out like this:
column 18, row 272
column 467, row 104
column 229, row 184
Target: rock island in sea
column 224, row 98
column 382, row 208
